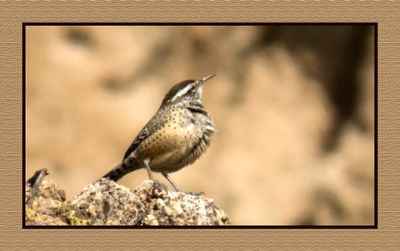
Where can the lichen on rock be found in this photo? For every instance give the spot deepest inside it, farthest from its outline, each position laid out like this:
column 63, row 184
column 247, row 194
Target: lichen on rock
column 45, row 205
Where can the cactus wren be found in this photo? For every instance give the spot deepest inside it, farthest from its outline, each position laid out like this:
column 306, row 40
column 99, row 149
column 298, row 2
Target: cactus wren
column 177, row 134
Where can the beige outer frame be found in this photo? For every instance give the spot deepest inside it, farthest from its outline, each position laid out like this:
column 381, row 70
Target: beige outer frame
column 14, row 13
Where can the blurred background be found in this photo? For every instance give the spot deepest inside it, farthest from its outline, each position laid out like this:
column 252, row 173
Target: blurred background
column 293, row 108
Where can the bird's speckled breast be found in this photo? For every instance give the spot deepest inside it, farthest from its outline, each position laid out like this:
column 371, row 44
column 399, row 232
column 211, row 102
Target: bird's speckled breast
column 172, row 143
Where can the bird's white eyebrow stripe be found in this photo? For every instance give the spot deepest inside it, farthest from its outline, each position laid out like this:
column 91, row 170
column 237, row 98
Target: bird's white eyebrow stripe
column 182, row 92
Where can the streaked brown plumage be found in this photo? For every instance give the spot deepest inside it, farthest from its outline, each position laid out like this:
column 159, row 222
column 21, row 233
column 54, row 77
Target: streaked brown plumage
column 176, row 136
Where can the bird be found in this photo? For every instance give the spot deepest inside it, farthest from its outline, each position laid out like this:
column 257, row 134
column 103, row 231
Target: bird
column 176, row 136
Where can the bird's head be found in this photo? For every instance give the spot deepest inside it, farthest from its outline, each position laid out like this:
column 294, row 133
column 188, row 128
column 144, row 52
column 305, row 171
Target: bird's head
column 186, row 91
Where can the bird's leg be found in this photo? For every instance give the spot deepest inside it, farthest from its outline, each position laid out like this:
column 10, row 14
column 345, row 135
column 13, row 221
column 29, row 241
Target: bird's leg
column 146, row 163
column 156, row 183
column 165, row 174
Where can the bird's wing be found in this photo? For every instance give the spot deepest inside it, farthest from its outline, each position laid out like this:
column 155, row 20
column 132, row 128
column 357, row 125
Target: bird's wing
column 151, row 127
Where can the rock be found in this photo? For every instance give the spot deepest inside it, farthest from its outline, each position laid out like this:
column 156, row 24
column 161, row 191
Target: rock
column 165, row 207
column 45, row 204
column 107, row 203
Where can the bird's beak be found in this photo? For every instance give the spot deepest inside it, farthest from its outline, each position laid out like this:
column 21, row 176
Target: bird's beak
column 207, row 78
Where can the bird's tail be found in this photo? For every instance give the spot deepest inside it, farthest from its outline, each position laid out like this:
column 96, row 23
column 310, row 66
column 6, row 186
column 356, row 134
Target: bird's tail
column 121, row 170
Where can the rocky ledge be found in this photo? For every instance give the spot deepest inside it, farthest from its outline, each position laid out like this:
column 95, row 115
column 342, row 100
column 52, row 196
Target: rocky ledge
column 105, row 202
